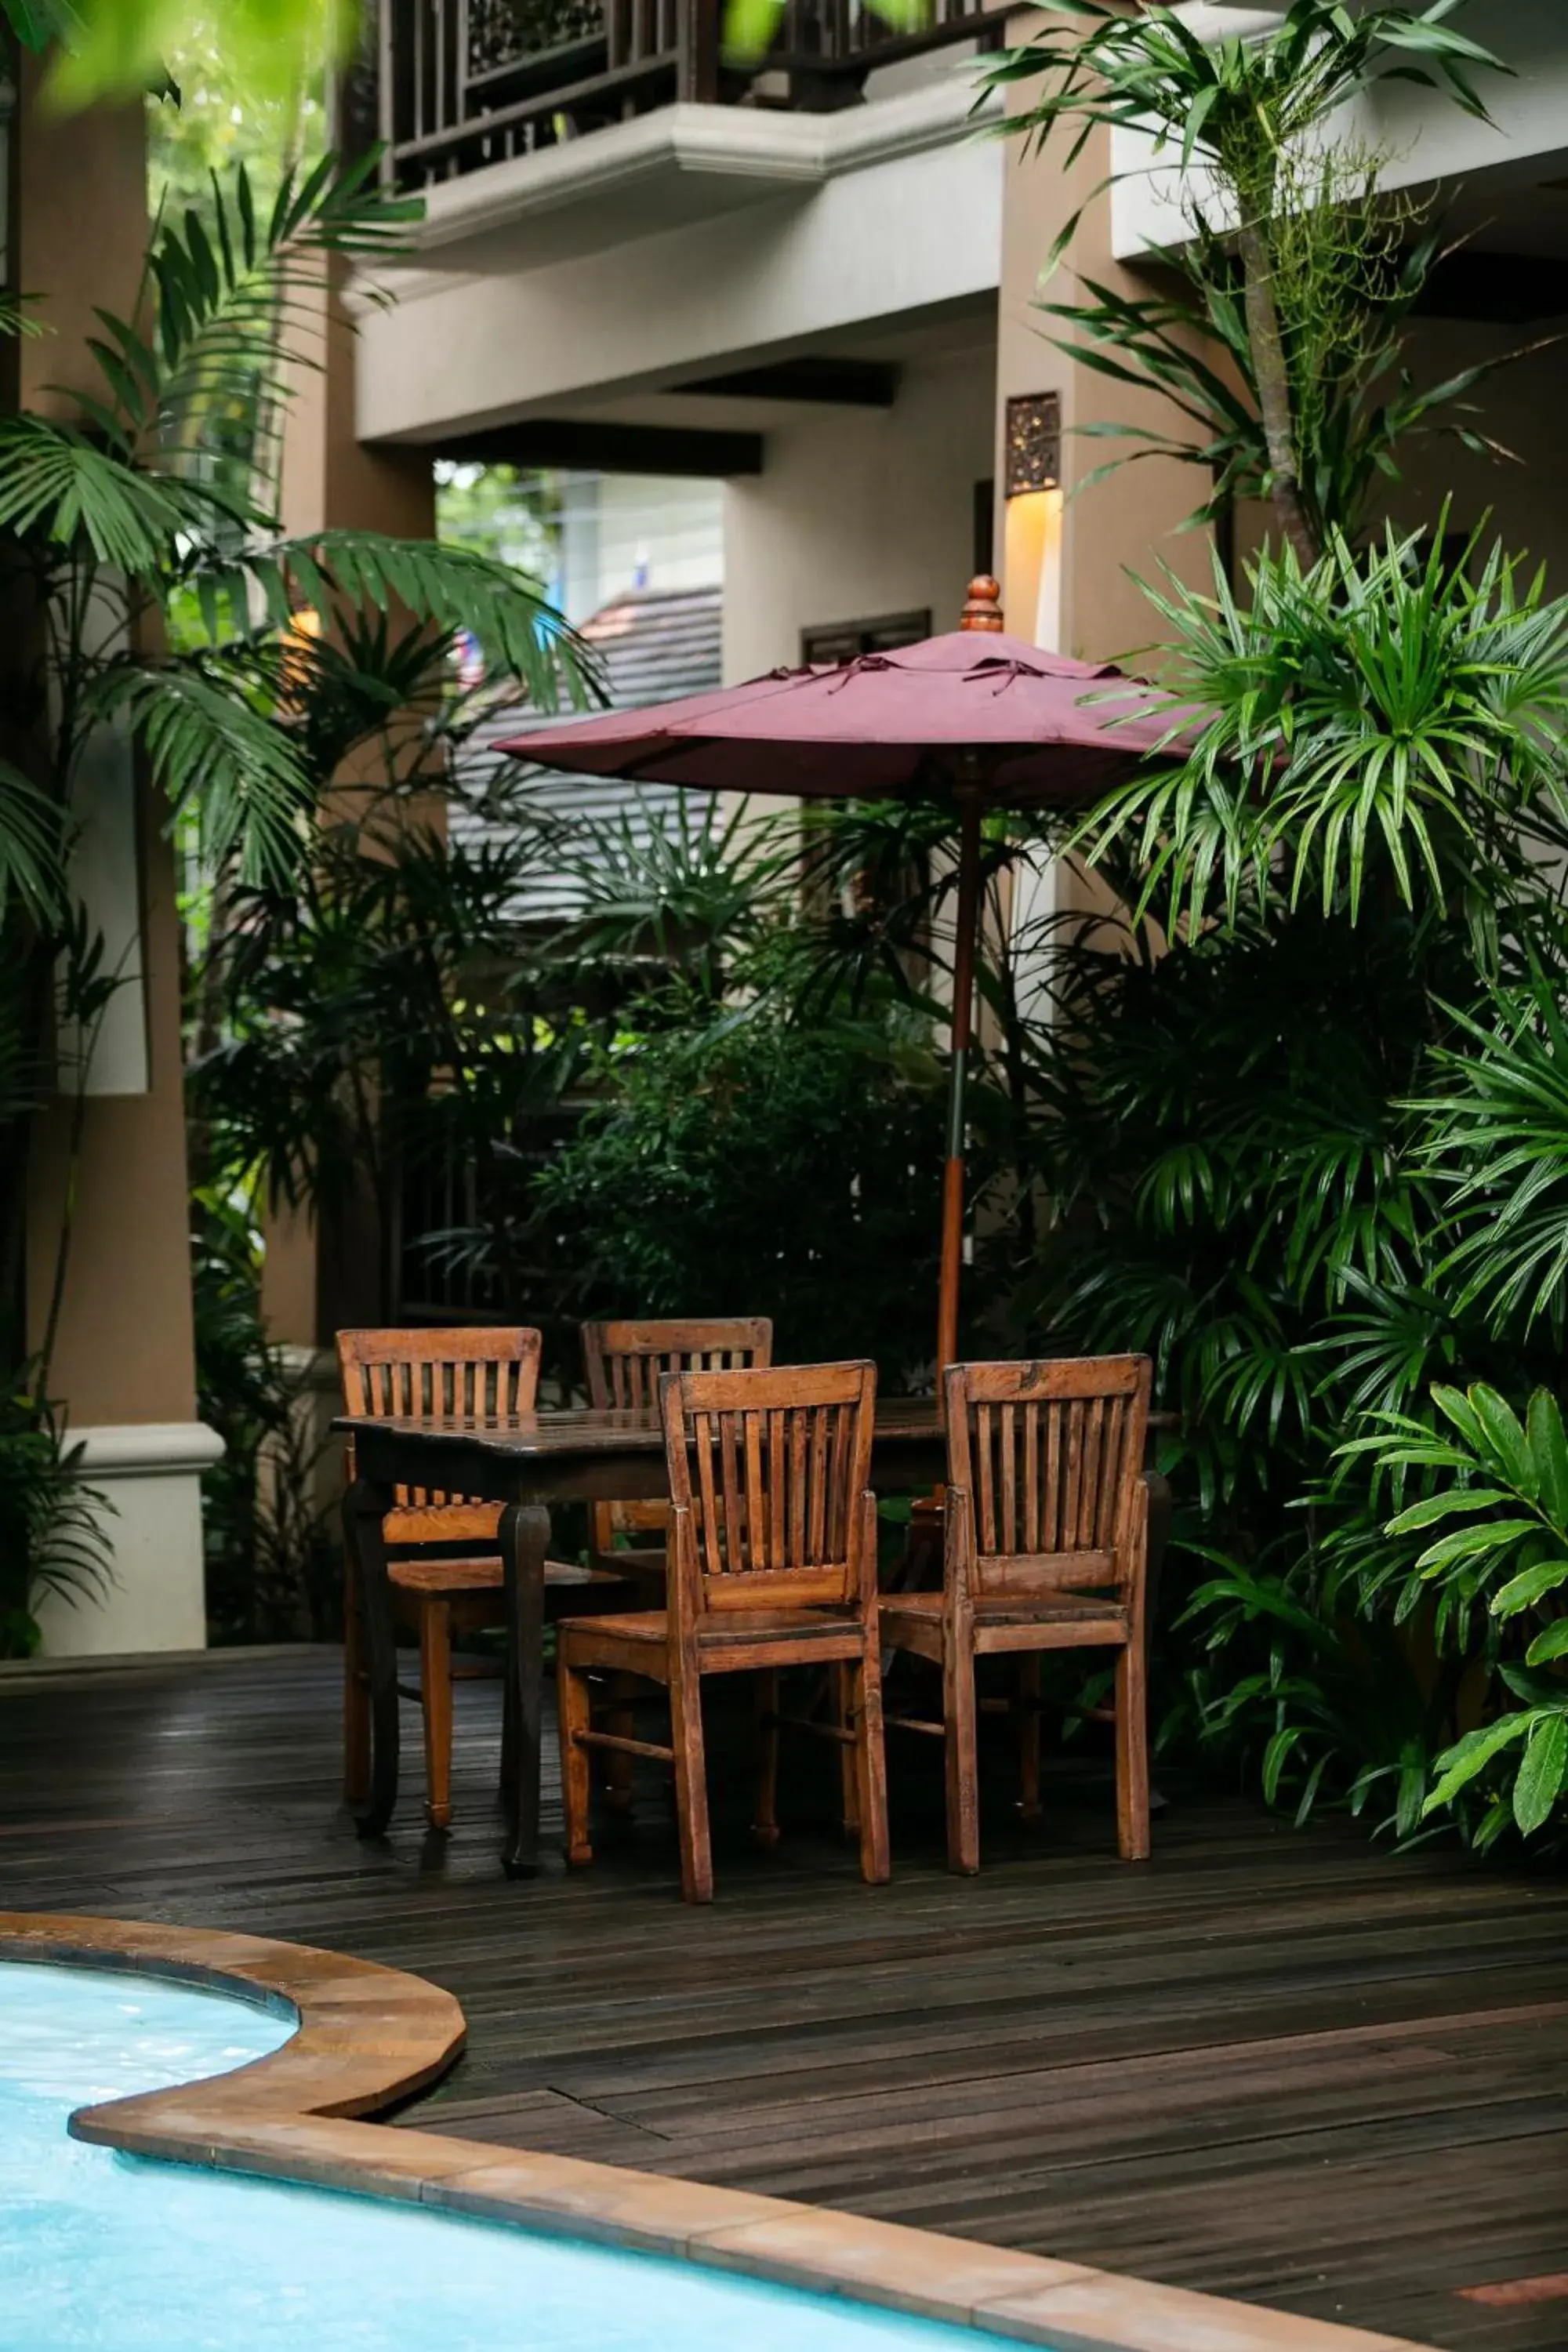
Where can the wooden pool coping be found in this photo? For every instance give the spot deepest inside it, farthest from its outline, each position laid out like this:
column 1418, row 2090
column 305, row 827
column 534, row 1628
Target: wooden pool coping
column 369, row 2036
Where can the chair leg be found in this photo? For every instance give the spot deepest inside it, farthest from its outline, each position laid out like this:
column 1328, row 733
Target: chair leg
column 1028, row 1704
column 356, row 1690
column 573, row 1710
column 842, row 1699
column 870, row 1763
column 1132, row 1754
column 690, row 1787
column 765, row 1828
column 436, row 1706
column 960, row 1714
column 620, row 1718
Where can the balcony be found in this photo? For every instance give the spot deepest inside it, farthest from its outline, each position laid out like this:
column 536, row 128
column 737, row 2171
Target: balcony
column 455, row 86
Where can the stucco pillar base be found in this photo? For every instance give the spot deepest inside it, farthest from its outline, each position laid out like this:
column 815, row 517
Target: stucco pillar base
column 151, row 1472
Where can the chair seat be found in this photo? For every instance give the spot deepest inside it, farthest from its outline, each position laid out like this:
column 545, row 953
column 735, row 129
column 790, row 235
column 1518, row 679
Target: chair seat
column 487, row 1575
column 912, row 1621
column 755, row 1637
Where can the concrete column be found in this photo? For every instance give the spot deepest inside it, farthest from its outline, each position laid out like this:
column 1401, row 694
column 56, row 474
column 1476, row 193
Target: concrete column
column 1069, row 562
column 312, row 1284
column 124, row 1362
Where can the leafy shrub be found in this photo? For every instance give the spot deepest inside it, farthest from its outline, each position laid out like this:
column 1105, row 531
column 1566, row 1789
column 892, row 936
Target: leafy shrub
column 751, row 1164
column 1495, row 1545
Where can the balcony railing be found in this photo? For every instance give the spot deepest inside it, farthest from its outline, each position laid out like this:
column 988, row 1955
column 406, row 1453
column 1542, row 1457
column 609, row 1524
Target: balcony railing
column 458, row 84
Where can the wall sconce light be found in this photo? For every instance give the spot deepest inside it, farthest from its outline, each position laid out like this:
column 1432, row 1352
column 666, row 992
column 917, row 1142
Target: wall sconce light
column 1032, row 515
column 1034, row 442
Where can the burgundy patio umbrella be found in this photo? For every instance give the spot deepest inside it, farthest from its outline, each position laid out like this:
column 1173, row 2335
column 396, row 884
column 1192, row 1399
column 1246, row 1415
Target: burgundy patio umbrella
column 976, row 717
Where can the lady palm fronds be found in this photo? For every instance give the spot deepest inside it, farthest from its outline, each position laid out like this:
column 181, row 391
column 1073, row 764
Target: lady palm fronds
column 1496, row 1141
column 1377, row 723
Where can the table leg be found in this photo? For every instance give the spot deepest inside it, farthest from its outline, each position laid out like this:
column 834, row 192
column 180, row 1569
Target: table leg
column 524, row 1538
column 364, row 1509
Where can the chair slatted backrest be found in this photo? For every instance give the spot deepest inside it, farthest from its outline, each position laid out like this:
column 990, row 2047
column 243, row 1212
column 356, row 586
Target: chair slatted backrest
column 469, row 1374
column 1051, row 1455
column 625, row 1362
column 771, row 1468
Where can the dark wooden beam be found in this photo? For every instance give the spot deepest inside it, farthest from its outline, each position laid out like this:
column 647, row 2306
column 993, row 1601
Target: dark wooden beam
column 849, row 383
column 606, row 449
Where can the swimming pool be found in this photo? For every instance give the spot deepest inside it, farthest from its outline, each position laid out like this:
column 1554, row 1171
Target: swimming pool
column 103, row 2252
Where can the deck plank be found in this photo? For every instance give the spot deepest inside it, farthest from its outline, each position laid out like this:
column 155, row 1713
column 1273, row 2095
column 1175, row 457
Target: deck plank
column 1282, row 2065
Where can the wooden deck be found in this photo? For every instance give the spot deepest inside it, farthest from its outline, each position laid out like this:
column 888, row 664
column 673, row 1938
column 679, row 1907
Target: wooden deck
column 1278, row 2065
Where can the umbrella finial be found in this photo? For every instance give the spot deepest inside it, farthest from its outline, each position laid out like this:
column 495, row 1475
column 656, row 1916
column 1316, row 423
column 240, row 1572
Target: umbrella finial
column 983, row 609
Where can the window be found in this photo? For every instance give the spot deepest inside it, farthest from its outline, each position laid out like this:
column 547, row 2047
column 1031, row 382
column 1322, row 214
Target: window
column 841, row 641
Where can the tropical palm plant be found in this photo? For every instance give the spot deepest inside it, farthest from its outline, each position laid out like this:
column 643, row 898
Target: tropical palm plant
column 1280, row 348
column 1297, row 1118
column 159, row 608
column 1382, row 726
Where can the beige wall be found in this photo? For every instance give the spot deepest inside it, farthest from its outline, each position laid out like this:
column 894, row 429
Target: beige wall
column 859, row 513
column 125, row 1349
column 1113, row 532
column 1520, row 406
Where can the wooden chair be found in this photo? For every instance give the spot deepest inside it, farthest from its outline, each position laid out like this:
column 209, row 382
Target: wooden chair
column 1045, row 1549
column 773, row 1563
column 446, row 1577
column 625, row 1362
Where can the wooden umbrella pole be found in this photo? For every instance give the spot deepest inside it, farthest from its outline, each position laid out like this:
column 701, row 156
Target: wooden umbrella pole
column 967, row 924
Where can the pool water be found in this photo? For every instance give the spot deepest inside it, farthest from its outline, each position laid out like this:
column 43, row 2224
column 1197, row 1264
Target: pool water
column 113, row 2253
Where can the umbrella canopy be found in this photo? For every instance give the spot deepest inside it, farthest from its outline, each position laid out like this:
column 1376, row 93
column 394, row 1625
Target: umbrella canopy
column 1029, row 728
column 976, row 717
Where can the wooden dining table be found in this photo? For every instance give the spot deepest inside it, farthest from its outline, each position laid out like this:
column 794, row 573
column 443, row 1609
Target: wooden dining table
column 527, row 1464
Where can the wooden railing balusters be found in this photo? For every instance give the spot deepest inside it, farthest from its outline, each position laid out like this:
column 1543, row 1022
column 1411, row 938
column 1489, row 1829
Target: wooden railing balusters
column 464, row 85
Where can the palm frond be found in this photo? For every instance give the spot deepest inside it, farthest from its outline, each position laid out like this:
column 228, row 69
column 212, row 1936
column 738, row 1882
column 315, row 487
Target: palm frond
column 234, row 304
column 32, row 860
column 447, row 588
column 58, row 487
column 213, row 750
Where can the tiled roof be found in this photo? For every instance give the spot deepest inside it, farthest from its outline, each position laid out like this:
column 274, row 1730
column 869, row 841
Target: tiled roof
column 655, row 643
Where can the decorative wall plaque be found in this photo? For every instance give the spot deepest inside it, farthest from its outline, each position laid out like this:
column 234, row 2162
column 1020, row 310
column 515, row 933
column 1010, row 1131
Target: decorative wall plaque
column 1034, row 442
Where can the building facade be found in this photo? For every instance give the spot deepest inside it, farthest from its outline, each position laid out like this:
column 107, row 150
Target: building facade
column 811, row 287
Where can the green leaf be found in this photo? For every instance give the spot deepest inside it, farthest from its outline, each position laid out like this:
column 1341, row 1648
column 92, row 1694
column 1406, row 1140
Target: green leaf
column 212, row 749
column 1505, row 1440
column 1542, row 1774
column 1549, row 1446
column 1276, row 1756
column 450, row 587
column 32, row 864
column 1472, row 1543
column 750, row 27
column 37, row 23
column 55, row 486
column 1549, row 1644
column 1459, row 1764
column 114, row 50
column 1432, row 1508
column 1523, row 1591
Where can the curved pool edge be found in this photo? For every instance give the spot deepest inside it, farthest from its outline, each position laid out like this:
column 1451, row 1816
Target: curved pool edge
column 369, row 2036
